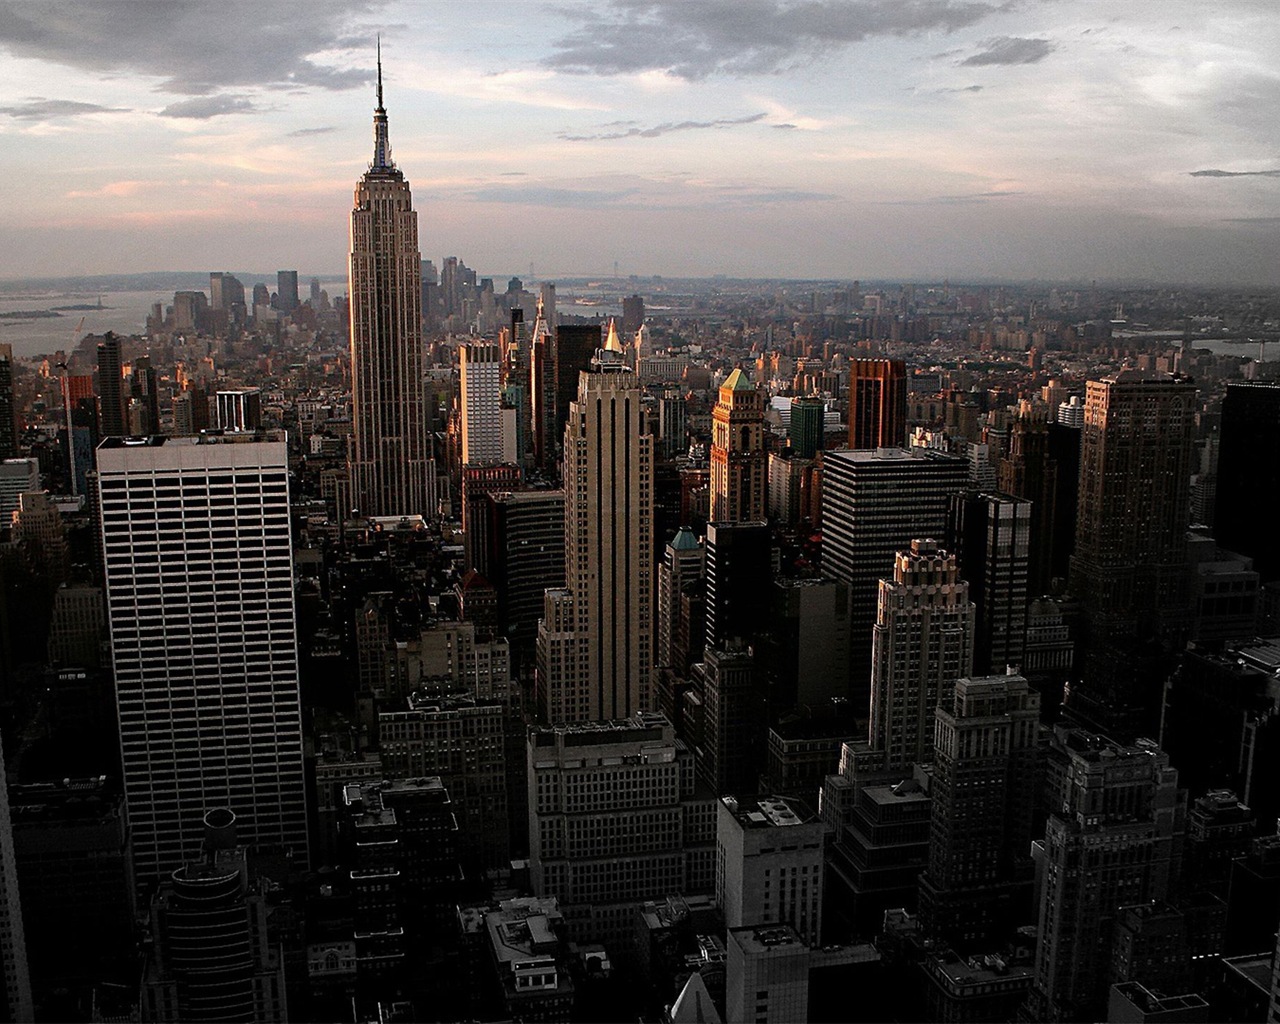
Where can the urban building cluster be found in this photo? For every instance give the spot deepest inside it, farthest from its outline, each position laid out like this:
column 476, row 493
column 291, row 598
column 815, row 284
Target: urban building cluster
column 642, row 650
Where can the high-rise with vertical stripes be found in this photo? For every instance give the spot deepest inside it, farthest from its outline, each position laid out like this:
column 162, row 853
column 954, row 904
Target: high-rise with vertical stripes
column 199, row 582
column 392, row 473
column 595, row 642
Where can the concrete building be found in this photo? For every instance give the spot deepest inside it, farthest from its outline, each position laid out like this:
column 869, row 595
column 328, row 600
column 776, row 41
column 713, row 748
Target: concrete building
column 211, row 959
column 681, row 570
column 595, row 642
column 462, row 740
column 769, row 968
column 984, row 778
column 480, row 369
column 1110, row 842
column 17, row 477
column 15, row 978
column 769, row 865
column 197, row 550
column 615, row 819
column 922, row 642
column 730, row 753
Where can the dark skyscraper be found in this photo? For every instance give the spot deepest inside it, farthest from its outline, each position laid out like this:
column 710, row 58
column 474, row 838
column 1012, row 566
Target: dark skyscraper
column 8, row 419
column 983, row 790
column 877, row 403
column 111, row 407
column 1249, row 474
column 392, row 472
column 286, row 290
column 575, row 345
column 991, row 534
column 1028, row 471
column 739, row 567
column 806, row 427
column 874, row 504
column 632, row 315
column 1130, row 570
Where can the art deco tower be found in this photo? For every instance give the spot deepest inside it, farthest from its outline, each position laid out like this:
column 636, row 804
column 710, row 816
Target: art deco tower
column 391, row 468
column 737, row 453
column 595, row 642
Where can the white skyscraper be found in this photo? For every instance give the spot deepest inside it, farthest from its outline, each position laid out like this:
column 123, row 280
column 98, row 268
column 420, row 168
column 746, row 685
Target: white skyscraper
column 481, row 392
column 195, row 536
column 595, row 644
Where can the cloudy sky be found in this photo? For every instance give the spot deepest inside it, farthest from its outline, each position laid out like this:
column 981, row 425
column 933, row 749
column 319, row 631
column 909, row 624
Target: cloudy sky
column 793, row 138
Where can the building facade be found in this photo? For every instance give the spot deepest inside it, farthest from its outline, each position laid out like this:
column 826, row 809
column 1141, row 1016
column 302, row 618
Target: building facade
column 601, row 666
column 737, row 452
column 921, row 643
column 877, row 403
column 199, row 588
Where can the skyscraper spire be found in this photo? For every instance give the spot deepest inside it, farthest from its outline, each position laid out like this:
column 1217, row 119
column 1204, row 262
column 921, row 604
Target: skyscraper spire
column 380, row 106
column 381, row 139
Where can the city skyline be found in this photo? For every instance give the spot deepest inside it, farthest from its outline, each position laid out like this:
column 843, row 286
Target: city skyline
column 752, row 139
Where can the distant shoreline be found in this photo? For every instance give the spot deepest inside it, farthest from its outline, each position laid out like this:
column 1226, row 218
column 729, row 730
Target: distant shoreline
column 37, row 314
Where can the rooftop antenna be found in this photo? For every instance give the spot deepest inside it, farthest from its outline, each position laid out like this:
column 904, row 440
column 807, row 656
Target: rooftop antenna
column 379, row 70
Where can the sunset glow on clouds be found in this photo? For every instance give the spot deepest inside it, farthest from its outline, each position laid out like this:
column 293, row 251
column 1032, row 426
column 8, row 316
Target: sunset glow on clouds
column 884, row 138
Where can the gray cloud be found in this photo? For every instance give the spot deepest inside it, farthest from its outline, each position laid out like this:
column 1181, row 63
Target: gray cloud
column 201, row 108
column 699, row 38
column 663, row 129
column 1006, row 51
column 195, row 47
column 967, row 197
column 1213, row 172
column 633, row 193
column 533, row 195
column 39, row 109
column 302, row 133
column 1251, row 220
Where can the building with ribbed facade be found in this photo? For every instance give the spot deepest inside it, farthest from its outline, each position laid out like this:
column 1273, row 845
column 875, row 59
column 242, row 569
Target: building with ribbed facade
column 877, row 403
column 1111, row 841
column 595, row 641
column 984, row 778
column 922, row 642
column 199, row 586
column 392, row 471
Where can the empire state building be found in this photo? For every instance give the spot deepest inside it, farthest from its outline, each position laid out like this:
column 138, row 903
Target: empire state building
column 392, row 473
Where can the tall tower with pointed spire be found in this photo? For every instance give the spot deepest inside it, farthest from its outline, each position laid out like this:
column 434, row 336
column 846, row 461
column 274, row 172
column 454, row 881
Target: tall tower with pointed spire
column 392, row 472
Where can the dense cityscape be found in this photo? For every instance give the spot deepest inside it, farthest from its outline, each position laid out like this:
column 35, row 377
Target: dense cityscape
column 432, row 646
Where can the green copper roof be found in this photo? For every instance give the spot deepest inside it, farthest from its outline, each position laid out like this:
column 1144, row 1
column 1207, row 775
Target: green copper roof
column 737, row 381
column 684, row 540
